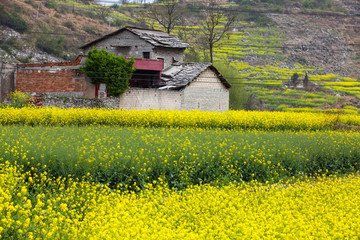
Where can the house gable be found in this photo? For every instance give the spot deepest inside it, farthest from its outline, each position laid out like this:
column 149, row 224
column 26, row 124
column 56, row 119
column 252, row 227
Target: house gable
column 180, row 75
column 207, row 79
column 141, row 43
column 124, row 43
column 206, row 92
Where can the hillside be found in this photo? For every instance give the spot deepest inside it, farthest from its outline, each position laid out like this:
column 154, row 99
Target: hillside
column 54, row 29
column 267, row 46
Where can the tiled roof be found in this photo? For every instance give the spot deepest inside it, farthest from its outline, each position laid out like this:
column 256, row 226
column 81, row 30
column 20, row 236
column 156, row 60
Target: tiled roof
column 158, row 38
column 181, row 74
column 154, row 37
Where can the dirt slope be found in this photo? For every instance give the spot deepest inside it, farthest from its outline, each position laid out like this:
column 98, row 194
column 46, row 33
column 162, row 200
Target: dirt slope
column 327, row 42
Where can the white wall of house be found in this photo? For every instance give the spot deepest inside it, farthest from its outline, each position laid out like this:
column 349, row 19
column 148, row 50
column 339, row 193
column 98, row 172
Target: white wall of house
column 150, row 98
column 206, row 93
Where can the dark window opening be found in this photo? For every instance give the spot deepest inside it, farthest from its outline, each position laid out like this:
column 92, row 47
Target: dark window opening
column 145, row 79
column 146, row 55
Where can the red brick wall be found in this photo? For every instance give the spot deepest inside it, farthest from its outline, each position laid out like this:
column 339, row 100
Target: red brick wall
column 57, row 77
column 41, row 81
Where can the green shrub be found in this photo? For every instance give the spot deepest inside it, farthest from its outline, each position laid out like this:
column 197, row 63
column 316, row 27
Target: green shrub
column 9, row 44
column 24, row 59
column 104, row 67
column 13, row 21
column 31, row 2
column 301, row 60
column 49, row 44
column 294, row 78
column 50, row 4
column 70, row 25
column 5, row 47
column 317, row 4
column 90, row 30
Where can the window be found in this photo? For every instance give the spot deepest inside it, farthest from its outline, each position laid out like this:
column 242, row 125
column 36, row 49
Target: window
column 146, row 55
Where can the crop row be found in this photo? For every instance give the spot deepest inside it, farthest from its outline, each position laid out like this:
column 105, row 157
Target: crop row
column 176, row 119
column 36, row 207
column 130, row 158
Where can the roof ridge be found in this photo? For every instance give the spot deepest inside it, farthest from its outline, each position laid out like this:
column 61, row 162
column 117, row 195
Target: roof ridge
column 147, row 29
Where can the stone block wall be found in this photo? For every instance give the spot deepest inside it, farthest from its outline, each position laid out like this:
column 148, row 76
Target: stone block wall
column 75, row 102
column 133, row 98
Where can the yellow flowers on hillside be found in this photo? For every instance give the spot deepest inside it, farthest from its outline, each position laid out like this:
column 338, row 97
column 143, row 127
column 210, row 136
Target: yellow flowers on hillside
column 176, row 119
column 326, row 208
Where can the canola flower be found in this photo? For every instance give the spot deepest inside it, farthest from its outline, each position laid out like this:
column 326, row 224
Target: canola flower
column 176, row 119
column 37, row 207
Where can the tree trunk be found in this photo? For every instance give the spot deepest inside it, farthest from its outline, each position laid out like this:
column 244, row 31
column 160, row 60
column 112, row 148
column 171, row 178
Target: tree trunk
column 211, row 51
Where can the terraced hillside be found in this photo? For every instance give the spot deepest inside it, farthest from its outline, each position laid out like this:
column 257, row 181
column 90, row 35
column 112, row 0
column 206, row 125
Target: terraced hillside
column 268, row 57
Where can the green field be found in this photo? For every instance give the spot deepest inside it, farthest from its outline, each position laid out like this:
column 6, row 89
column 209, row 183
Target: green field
column 124, row 156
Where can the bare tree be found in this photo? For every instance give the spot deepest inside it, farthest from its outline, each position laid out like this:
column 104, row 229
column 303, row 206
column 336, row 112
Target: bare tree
column 168, row 14
column 216, row 24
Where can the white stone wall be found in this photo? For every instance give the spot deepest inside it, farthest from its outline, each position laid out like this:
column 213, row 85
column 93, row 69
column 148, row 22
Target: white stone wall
column 206, row 93
column 148, row 98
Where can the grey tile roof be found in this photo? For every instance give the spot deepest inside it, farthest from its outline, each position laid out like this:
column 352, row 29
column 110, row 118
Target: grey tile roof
column 158, row 38
column 154, row 37
column 181, row 74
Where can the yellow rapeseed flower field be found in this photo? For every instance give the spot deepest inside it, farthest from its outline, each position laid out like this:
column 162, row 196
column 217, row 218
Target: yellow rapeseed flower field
column 177, row 119
column 115, row 174
column 323, row 208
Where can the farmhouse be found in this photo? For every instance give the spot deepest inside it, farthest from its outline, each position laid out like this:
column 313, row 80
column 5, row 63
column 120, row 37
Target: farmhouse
column 141, row 43
column 161, row 80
